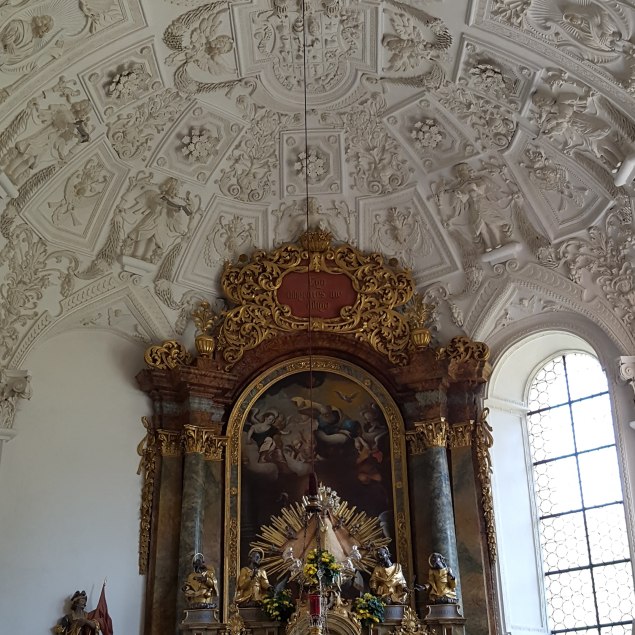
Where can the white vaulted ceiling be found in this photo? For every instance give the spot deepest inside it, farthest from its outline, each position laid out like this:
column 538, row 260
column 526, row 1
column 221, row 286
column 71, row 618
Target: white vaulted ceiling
column 143, row 143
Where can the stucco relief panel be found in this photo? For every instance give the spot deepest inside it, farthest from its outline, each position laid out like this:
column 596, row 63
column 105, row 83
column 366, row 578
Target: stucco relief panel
column 333, row 214
column 197, row 143
column 559, row 192
column 341, row 42
column 494, row 73
column 229, row 228
column 402, row 226
column 429, row 134
column 124, row 78
column 34, row 34
column 314, row 162
column 73, row 211
column 599, row 33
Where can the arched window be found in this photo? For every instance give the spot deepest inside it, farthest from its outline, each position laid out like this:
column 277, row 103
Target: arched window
column 587, row 569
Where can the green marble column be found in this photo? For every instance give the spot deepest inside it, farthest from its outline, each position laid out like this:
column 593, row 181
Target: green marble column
column 213, row 501
column 431, row 499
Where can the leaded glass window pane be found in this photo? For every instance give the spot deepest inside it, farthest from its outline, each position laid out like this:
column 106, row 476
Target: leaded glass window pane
column 588, row 573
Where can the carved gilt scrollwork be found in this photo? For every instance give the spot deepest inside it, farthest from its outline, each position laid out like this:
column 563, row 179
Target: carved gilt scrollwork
column 258, row 316
column 427, row 434
column 483, row 441
column 463, row 349
column 410, row 625
column 148, row 451
column 170, row 354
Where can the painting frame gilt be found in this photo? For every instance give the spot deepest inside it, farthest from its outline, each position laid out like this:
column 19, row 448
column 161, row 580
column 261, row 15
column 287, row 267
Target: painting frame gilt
column 254, row 445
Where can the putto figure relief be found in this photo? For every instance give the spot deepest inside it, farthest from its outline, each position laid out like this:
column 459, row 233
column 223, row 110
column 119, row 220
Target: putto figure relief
column 150, row 219
column 164, row 217
column 479, row 210
column 44, row 134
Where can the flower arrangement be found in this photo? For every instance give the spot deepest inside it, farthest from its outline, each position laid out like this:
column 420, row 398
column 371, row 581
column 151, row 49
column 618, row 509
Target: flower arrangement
column 278, row 605
column 320, row 565
column 369, row 609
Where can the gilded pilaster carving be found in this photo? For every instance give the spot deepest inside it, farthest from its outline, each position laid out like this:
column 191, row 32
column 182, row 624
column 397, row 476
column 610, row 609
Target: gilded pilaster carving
column 427, row 434
column 484, row 440
column 460, row 435
column 170, row 354
column 233, row 548
column 203, row 441
column 463, row 349
column 148, row 451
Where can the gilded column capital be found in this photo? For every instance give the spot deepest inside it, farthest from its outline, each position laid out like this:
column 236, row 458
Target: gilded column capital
column 460, row 434
column 204, row 441
column 428, row 434
column 169, row 442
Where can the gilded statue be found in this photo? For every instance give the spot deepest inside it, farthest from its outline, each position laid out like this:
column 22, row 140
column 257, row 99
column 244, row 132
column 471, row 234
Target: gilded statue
column 77, row 621
column 252, row 583
column 441, row 585
column 387, row 580
column 201, row 586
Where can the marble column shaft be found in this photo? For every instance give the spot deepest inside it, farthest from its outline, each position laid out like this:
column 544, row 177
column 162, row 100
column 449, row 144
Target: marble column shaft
column 213, row 514
column 163, row 571
column 432, row 510
column 192, row 519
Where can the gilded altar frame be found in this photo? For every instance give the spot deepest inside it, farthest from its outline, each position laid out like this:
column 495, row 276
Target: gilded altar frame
column 237, row 419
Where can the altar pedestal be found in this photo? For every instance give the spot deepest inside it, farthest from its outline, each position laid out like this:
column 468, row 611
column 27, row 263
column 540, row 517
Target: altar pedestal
column 445, row 619
column 201, row 622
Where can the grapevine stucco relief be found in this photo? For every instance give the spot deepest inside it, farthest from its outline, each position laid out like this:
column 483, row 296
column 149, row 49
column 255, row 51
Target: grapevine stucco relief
column 476, row 141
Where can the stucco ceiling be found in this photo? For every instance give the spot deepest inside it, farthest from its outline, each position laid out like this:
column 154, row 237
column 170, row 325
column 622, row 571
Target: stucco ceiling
column 142, row 144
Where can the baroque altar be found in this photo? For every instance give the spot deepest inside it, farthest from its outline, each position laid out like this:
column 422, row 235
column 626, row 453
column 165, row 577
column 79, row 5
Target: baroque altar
column 330, row 373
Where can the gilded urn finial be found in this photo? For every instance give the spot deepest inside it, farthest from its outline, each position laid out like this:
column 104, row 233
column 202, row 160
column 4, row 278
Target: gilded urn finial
column 418, row 314
column 205, row 320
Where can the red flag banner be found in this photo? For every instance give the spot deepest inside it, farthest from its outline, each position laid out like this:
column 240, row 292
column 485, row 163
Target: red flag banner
column 100, row 614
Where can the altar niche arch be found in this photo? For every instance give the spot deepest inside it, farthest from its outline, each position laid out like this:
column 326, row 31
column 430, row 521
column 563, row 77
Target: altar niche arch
column 358, row 449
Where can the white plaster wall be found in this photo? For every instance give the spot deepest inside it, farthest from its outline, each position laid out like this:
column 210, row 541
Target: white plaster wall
column 69, row 492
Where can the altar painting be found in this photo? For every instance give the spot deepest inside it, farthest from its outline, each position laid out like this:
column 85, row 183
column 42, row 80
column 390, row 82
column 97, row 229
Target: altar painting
column 318, row 420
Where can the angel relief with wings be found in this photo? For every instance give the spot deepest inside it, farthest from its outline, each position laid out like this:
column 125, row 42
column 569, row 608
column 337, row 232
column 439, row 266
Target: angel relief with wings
column 410, row 45
column 206, row 46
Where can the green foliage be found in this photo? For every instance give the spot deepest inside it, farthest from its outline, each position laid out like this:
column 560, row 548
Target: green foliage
column 278, row 606
column 369, row 609
column 320, row 563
